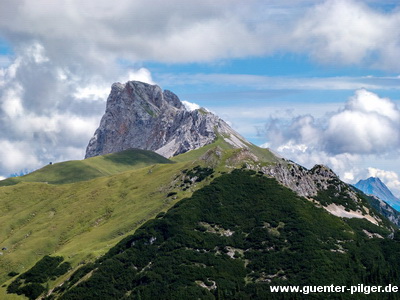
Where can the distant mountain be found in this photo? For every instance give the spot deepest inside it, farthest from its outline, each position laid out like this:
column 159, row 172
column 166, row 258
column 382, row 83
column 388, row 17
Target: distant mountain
column 374, row 186
column 143, row 116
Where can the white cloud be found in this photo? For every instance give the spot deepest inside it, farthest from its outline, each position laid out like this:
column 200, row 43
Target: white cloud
column 367, row 102
column 37, row 52
column 368, row 124
column 142, row 75
column 346, row 140
column 292, row 147
column 190, row 106
column 92, row 92
column 4, row 61
column 40, row 117
column 17, row 156
column 350, row 32
column 99, row 32
column 11, row 102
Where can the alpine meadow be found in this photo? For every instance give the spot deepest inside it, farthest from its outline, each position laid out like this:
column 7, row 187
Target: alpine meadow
column 185, row 149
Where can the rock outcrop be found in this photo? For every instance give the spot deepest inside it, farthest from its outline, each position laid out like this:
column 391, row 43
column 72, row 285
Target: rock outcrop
column 140, row 115
column 386, row 210
column 304, row 182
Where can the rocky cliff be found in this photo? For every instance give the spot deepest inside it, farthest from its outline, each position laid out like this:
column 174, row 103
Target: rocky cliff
column 140, row 115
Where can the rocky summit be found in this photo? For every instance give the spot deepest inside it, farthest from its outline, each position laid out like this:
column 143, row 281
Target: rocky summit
column 143, row 116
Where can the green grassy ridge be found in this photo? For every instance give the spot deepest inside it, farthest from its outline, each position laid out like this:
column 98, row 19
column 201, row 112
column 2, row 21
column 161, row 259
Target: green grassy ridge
column 110, row 164
column 81, row 170
column 277, row 237
column 79, row 221
column 83, row 219
column 262, row 154
column 197, row 153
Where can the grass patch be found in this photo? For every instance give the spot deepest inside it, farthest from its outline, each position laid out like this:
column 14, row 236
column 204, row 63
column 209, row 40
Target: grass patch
column 94, row 167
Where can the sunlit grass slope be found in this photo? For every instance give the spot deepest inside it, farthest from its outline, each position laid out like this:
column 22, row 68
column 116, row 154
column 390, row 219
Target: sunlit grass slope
column 80, row 170
column 262, row 154
column 80, row 209
column 82, row 220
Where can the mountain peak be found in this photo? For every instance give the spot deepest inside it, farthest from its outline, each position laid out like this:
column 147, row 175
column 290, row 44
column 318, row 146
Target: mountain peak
column 373, row 179
column 374, row 186
column 141, row 115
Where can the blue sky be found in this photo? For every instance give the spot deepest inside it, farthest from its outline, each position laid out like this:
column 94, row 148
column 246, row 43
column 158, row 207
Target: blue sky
column 316, row 81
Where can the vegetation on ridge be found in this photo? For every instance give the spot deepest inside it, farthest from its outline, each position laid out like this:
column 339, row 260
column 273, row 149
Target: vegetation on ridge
column 90, row 168
column 31, row 282
column 81, row 221
column 232, row 240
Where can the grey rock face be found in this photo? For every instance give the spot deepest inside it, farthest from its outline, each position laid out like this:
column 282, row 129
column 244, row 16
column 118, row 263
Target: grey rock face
column 306, row 183
column 386, row 210
column 140, row 115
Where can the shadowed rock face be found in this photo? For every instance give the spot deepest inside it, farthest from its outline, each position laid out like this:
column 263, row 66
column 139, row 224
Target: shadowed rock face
column 140, row 115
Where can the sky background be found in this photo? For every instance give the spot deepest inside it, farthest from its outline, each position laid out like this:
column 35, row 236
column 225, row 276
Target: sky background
column 316, row 81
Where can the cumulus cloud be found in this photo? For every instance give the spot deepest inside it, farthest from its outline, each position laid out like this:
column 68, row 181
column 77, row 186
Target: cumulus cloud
column 142, row 75
column 15, row 156
column 190, row 106
column 367, row 126
column 4, row 61
column 97, row 32
column 350, row 32
column 165, row 31
column 48, row 113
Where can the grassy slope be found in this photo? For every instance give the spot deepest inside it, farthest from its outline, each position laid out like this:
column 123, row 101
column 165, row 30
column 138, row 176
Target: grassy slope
column 83, row 219
column 262, row 154
column 80, row 170
column 195, row 154
column 78, row 219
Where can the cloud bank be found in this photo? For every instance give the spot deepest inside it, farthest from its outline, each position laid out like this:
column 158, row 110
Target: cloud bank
column 367, row 126
column 48, row 113
column 97, row 32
